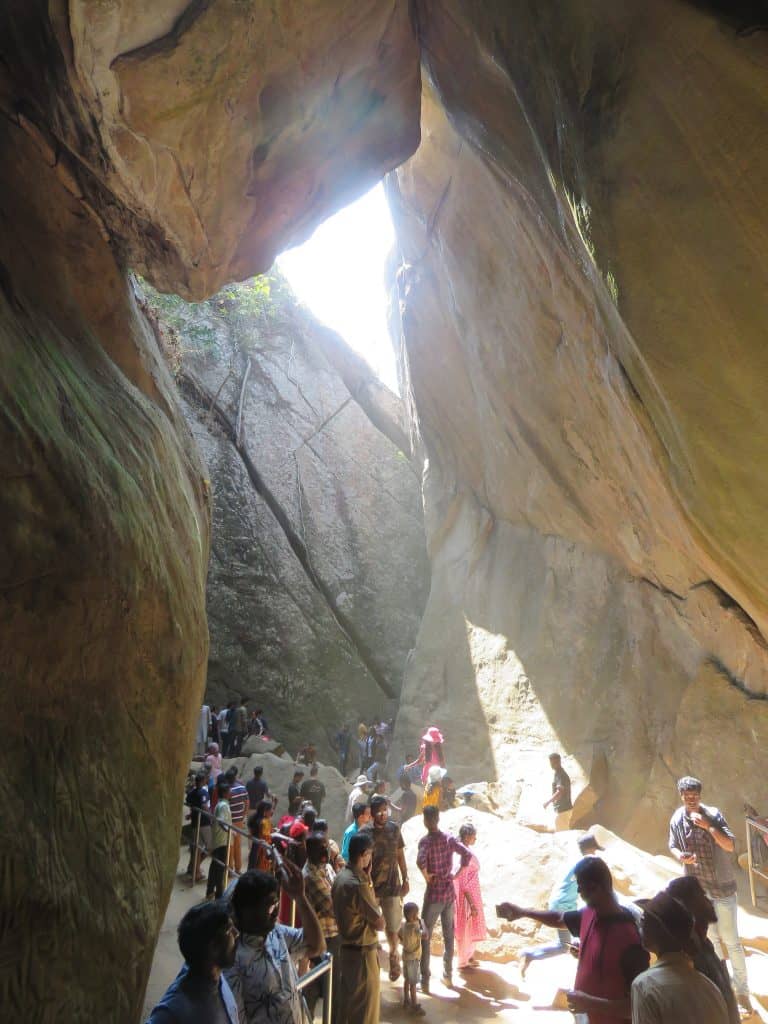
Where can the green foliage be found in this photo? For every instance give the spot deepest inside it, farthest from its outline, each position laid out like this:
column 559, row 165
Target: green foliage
column 249, row 309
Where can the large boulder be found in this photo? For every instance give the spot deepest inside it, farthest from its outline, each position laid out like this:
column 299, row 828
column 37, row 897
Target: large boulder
column 582, row 235
column 319, row 570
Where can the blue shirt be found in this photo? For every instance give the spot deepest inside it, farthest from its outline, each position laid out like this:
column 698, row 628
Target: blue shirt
column 193, row 1000
column 565, row 895
column 348, row 833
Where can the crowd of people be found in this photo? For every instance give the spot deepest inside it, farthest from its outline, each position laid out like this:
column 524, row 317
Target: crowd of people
column 227, row 728
column 304, row 895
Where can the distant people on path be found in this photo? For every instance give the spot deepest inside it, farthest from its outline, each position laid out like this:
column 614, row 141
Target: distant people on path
column 690, row 893
column 700, row 839
column 294, row 791
column 312, row 789
column 407, row 799
column 564, row 897
column 207, row 937
column 610, row 953
column 433, row 790
column 219, row 841
column 389, row 874
column 561, row 794
column 213, row 731
column 260, row 827
column 470, row 924
column 430, row 753
column 361, row 816
column 198, row 800
column 412, row 933
column 224, row 715
column 213, row 759
column 341, row 744
column 359, row 794
column 672, row 991
column 257, row 787
column 238, row 806
column 203, row 728
column 263, row 976
column 240, row 723
column 435, row 861
column 359, row 919
column 257, row 725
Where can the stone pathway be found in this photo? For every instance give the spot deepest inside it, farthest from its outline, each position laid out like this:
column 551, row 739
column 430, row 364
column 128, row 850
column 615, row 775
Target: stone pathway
column 492, row 992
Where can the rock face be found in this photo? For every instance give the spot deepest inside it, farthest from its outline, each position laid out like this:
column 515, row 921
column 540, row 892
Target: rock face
column 189, row 141
column 318, row 575
column 581, row 238
column 103, row 552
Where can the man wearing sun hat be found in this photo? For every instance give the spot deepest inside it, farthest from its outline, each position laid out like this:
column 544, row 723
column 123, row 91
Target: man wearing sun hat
column 359, row 794
column 672, row 991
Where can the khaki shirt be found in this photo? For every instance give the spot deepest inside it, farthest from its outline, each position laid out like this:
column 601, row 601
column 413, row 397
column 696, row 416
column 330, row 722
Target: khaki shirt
column 355, row 907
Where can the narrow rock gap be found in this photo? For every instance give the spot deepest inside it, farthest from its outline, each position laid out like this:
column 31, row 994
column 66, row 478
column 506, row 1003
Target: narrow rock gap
column 202, row 397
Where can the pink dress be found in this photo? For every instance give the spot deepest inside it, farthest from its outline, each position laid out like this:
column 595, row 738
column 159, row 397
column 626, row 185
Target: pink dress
column 469, row 930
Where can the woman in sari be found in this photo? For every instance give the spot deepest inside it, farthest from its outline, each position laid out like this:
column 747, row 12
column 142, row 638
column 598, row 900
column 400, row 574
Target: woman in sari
column 260, row 827
column 470, row 917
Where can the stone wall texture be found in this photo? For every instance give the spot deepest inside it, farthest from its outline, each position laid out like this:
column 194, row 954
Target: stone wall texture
column 583, row 250
column 318, row 575
column 580, row 309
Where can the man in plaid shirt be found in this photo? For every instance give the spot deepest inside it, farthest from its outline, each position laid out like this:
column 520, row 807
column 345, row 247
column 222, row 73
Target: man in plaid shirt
column 435, row 861
column 700, row 839
column 318, row 880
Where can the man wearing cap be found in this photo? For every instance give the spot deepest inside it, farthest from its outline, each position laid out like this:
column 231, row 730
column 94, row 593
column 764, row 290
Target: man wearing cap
column 672, row 991
column 389, row 874
column 564, row 898
column 358, row 795
column 700, row 839
column 610, row 953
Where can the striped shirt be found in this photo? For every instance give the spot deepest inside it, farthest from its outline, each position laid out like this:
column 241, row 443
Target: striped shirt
column 238, row 802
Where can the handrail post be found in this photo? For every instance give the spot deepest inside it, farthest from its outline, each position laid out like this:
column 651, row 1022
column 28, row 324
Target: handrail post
column 749, row 863
column 226, row 858
column 328, row 993
column 196, row 849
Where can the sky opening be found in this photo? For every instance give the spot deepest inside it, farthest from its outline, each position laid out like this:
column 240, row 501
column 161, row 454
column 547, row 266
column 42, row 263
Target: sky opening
column 339, row 275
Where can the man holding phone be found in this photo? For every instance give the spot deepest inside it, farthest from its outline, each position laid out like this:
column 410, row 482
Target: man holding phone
column 700, row 839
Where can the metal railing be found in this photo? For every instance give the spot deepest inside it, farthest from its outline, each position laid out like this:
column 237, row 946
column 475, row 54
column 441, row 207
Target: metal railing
column 323, row 970
column 752, row 827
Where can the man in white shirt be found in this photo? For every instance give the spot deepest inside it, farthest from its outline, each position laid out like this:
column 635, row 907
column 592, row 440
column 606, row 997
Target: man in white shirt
column 672, row 991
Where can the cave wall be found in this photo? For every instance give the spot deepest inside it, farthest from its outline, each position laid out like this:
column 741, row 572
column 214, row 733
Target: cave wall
column 583, row 240
column 103, row 554
column 189, row 142
column 318, row 574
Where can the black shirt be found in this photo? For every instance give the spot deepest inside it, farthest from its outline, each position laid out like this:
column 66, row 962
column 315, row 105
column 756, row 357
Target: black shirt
column 313, row 790
column 257, row 791
column 562, row 780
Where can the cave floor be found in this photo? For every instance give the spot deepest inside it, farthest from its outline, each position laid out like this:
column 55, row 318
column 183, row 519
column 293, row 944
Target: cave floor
column 493, row 991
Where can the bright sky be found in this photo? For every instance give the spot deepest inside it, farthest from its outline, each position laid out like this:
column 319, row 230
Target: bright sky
column 339, row 275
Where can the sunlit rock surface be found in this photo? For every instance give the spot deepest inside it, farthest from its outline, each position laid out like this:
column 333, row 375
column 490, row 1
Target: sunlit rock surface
column 188, row 141
column 318, row 574
column 584, row 244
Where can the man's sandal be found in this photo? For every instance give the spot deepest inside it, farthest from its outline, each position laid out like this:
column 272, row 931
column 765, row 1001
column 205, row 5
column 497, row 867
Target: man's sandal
column 394, row 967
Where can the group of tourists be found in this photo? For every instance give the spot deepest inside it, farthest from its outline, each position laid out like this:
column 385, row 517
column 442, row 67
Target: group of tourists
column 689, row 982
column 227, row 728
column 304, row 895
